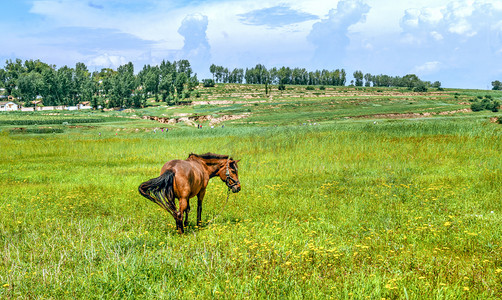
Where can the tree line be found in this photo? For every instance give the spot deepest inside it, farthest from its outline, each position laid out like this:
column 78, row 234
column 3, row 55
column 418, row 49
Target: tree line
column 301, row 76
column 172, row 82
column 281, row 76
column 410, row 81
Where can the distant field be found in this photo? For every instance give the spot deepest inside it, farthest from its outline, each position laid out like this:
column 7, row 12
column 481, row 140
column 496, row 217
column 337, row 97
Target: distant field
column 383, row 198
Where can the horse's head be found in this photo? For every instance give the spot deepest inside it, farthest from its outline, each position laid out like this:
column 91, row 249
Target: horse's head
column 229, row 174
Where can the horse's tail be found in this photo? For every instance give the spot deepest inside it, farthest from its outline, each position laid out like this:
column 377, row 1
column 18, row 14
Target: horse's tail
column 160, row 190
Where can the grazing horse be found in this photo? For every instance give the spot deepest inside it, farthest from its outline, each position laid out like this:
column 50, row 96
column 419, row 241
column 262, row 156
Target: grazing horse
column 184, row 179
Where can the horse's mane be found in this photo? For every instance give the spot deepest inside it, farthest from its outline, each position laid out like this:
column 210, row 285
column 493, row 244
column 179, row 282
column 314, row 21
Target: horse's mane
column 209, row 155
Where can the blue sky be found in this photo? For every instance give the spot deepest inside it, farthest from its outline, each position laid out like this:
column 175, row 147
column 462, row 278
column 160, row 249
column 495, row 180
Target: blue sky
column 456, row 42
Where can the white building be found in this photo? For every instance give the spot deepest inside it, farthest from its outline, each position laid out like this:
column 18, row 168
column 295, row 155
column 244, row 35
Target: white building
column 8, row 106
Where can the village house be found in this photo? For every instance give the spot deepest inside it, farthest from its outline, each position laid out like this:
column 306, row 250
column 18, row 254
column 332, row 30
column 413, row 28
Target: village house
column 8, row 106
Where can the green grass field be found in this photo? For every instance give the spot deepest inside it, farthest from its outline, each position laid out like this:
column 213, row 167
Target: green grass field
column 356, row 207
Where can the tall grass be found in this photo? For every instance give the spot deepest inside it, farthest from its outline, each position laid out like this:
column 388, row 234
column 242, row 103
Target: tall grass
column 352, row 209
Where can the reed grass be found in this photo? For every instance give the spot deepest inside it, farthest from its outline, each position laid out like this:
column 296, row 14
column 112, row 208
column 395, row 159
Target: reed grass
column 397, row 209
column 351, row 209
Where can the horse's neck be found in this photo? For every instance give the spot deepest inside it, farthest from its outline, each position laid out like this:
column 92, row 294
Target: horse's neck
column 212, row 166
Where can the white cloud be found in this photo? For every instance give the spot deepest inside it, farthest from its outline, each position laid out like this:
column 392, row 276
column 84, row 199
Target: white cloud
column 105, row 60
column 330, row 36
column 463, row 19
column 427, row 68
column 437, row 36
column 196, row 46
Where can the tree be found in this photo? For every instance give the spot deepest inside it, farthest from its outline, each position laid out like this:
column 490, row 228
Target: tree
column 50, row 93
column 3, row 76
column 220, row 73
column 342, row 78
column 284, row 75
column 358, row 76
column 166, row 86
column 12, row 72
column 30, row 85
column 410, row 81
column 64, row 82
column 208, row 82
column 367, row 79
column 149, row 80
column 497, row 85
column 261, row 74
column 212, row 70
column 123, row 86
column 184, row 67
column 193, row 83
column 436, row 85
column 267, row 80
column 236, row 76
column 105, row 76
column 82, row 88
column 181, row 80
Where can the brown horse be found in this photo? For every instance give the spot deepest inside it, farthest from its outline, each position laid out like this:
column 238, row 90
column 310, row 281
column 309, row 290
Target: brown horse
column 184, row 179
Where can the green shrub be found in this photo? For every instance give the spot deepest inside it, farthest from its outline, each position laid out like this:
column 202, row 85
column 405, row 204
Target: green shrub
column 37, row 130
column 421, row 88
column 208, row 82
column 477, row 106
column 281, row 87
column 486, row 104
column 310, row 88
column 47, row 121
column 495, row 106
column 322, row 87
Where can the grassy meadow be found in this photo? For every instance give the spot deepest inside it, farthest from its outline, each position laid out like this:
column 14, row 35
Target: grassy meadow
column 363, row 205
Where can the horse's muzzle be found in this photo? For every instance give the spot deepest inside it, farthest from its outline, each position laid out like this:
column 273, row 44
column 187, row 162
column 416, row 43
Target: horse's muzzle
column 236, row 188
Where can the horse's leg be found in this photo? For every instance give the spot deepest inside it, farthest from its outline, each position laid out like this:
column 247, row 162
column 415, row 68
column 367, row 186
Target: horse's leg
column 186, row 213
column 179, row 216
column 200, row 197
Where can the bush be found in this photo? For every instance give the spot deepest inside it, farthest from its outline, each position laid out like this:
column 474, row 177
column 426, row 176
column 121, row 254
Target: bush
column 310, row 88
column 477, row 106
column 281, row 87
column 322, row 87
column 48, row 121
column 486, row 104
column 37, row 130
column 208, row 82
column 495, row 106
column 421, row 88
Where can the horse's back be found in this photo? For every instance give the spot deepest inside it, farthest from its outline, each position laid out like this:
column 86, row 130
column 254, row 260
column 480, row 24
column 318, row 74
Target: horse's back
column 189, row 177
column 172, row 165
